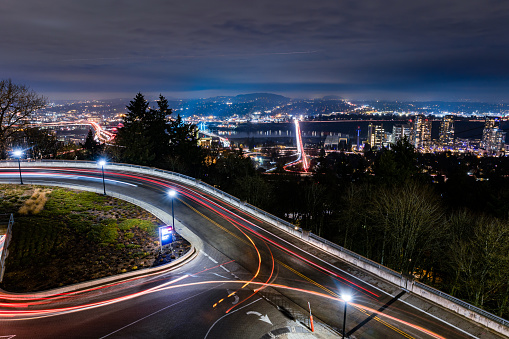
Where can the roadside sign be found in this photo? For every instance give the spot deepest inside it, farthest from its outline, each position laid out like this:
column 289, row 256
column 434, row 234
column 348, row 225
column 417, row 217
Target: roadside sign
column 165, row 235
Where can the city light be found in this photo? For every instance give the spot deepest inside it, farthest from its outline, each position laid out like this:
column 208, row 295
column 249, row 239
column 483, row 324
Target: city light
column 17, row 153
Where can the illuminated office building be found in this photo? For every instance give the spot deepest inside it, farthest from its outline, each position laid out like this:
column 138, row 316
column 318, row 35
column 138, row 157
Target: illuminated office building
column 421, row 132
column 399, row 131
column 493, row 138
column 376, row 135
column 446, row 138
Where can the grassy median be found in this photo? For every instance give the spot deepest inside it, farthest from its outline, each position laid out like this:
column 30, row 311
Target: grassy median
column 63, row 236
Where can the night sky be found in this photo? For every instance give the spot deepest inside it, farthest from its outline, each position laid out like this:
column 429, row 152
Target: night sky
column 363, row 49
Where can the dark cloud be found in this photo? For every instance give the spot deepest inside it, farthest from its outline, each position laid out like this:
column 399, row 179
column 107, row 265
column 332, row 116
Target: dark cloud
column 438, row 49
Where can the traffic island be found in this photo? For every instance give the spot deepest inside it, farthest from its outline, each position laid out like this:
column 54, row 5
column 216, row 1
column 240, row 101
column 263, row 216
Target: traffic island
column 64, row 236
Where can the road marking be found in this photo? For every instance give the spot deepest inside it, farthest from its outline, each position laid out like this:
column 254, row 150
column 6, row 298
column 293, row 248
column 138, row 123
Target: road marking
column 219, row 275
column 383, row 322
column 208, row 256
column 264, row 318
column 227, row 314
column 151, row 314
column 232, row 294
column 309, row 279
column 224, row 268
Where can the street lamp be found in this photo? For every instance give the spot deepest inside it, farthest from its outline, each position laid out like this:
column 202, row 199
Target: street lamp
column 346, row 298
column 18, row 154
column 172, row 194
column 102, row 163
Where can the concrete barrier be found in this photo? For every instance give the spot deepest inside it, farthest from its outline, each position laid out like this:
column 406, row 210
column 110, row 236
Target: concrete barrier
column 473, row 313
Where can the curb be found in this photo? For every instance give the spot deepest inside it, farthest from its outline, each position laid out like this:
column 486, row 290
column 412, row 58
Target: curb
column 183, row 230
column 190, row 255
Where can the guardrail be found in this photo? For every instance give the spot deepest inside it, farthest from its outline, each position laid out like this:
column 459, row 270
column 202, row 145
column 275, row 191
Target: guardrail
column 357, row 256
column 4, row 252
column 476, row 314
column 463, row 303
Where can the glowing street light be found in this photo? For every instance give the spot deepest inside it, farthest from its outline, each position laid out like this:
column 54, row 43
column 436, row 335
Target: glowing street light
column 346, row 298
column 172, row 194
column 18, row 154
column 102, row 163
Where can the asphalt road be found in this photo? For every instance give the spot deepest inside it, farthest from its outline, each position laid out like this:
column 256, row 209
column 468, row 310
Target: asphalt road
column 249, row 279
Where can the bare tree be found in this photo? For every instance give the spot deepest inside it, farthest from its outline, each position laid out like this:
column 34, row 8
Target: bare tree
column 410, row 219
column 17, row 104
column 482, row 264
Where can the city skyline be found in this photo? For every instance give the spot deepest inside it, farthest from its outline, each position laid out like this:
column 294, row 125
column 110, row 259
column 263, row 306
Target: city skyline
column 392, row 50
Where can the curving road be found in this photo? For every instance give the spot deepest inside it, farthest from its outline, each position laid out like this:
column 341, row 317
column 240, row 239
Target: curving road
column 246, row 280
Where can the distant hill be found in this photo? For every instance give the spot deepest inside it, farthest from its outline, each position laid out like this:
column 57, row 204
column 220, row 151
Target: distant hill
column 261, row 97
column 332, row 97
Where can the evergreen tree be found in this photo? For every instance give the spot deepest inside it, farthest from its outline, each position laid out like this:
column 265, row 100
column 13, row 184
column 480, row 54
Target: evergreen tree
column 149, row 138
column 135, row 137
column 91, row 146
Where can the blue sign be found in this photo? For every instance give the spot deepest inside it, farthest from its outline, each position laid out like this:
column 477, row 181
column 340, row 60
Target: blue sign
column 165, row 235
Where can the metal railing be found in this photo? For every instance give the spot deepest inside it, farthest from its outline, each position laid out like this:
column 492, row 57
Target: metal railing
column 462, row 303
column 355, row 255
column 277, row 221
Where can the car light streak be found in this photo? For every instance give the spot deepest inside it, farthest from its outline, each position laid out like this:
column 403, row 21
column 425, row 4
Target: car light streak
column 216, row 208
column 200, row 199
column 326, row 296
column 257, row 289
column 312, row 264
column 300, row 147
column 58, row 311
column 250, row 240
column 46, row 298
column 67, row 176
column 210, row 268
column 33, row 314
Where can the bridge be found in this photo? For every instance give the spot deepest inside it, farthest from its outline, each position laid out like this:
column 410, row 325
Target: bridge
column 301, row 153
column 202, row 128
column 101, row 133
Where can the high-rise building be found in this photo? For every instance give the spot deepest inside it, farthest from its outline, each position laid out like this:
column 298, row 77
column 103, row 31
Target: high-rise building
column 493, row 138
column 376, row 135
column 421, row 132
column 399, row 131
column 446, row 138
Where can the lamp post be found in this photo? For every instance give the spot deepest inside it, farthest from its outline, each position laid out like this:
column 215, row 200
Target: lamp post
column 18, row 154
column 172, row 194
column 346, row 298
column 102, row 163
